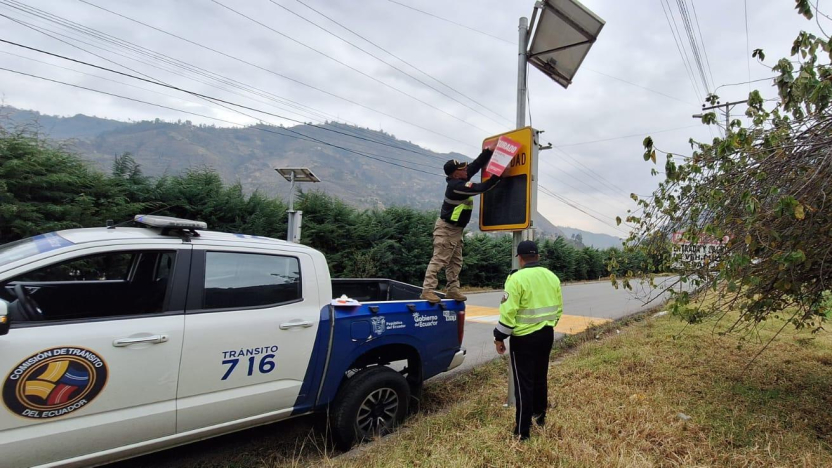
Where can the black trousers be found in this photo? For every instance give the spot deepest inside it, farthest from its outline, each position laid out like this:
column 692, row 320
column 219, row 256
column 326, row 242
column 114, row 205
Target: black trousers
column 530, row 360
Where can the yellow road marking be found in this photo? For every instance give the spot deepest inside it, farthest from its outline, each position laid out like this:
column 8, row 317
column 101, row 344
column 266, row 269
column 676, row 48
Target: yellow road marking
column 568, row 324
column 479, row 311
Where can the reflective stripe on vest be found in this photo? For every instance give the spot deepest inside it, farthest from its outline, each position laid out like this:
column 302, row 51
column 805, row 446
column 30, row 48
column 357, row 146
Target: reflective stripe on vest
column 456, row 202
column 542, row 318
column 538, row 311
column 469, row 205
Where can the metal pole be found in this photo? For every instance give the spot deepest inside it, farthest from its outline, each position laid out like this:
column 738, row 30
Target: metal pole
column 517, row 236
column 727, row 118
column 290, row 228
column 521, row 115
column 292, row 192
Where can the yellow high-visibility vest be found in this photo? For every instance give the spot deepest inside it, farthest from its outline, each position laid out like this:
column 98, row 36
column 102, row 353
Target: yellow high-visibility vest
column 533, row 299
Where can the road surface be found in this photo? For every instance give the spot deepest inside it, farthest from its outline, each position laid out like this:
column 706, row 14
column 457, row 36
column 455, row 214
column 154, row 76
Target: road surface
column 584, row 304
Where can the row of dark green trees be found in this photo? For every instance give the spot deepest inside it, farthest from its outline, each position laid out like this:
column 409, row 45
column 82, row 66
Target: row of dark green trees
column 46, row 188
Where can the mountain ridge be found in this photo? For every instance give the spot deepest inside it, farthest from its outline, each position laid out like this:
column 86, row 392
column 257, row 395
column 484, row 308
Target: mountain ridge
column 249, row 155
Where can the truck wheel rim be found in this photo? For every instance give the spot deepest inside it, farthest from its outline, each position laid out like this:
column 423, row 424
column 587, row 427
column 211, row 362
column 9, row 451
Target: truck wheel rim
column 377, row 412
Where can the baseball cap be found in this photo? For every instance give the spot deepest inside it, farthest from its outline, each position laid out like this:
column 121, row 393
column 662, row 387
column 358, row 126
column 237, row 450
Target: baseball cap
column 453, row 165
column 526, row 247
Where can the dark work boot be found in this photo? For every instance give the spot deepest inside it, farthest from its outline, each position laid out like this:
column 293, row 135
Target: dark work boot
column 455, row 295
column 430, row 296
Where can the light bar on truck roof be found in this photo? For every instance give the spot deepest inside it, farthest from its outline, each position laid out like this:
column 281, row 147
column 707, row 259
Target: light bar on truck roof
column 167, row 222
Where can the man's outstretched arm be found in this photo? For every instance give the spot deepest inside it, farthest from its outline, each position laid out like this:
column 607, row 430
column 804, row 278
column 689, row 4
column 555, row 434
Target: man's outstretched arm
column 480, row 162
column 473, row 188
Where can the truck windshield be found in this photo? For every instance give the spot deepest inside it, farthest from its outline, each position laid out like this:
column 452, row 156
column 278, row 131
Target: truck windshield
column 23, row 248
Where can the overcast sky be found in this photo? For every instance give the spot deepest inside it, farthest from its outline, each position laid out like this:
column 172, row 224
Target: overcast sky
column 636, row 45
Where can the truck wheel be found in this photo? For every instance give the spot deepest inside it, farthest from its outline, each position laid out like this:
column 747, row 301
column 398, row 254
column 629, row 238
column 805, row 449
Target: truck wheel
column 371, row 404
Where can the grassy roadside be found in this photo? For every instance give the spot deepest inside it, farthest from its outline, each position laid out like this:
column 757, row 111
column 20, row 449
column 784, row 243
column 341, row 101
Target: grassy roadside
column 657, row 394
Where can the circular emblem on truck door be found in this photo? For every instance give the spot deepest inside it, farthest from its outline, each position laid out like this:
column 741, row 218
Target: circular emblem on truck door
column 54, row 382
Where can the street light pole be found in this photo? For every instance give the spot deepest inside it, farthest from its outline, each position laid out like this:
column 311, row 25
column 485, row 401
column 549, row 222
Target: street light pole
column 295, row 218
column 564, row 31
column 517, row 236
column 523, row 29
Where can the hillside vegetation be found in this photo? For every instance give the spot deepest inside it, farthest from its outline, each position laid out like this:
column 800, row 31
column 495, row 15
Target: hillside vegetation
column 45, row 188
column 249, row 156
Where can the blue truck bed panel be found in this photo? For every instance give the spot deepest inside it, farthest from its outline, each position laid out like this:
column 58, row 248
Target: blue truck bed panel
column 430, row 329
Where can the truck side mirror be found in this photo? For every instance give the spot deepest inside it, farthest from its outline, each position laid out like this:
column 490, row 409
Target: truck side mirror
column 4, row 318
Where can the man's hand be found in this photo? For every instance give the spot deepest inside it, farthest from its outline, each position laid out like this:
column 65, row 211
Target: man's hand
column 501, row 347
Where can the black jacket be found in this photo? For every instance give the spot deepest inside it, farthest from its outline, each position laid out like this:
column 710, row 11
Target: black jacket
column 460, row 193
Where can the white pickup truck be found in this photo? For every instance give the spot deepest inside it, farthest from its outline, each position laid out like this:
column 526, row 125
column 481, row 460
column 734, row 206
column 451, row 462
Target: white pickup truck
column 115, row 342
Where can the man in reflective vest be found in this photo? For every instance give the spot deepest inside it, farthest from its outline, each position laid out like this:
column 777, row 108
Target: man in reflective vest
column 530, row 309
column 448, row 230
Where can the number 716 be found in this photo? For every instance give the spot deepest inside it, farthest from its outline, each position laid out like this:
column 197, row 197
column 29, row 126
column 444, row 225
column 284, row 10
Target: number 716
column 265, row 366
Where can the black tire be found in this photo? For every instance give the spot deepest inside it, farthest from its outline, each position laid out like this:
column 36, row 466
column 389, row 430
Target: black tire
column 370, row 404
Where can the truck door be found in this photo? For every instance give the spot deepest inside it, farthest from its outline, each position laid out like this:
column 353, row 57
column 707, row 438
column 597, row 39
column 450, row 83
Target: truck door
column 92, row 362
column 250, row 326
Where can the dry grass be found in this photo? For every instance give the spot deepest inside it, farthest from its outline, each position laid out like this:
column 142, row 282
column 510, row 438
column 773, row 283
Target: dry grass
column 617, row 401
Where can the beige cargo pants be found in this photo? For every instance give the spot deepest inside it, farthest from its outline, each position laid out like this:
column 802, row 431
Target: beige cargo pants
column 447, row 254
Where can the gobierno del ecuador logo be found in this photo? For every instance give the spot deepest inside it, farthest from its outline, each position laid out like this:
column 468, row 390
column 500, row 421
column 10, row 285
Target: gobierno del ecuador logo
column 54, row 382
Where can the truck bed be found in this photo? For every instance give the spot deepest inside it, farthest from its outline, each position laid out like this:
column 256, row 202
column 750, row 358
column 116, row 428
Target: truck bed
column 376, row 290
column 391, row 324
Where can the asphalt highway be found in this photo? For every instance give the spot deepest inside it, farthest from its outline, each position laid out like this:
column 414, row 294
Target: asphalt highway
column 585, row 304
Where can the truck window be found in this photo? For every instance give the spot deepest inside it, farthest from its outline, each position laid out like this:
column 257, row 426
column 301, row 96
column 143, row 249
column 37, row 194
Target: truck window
column 246, row 280
column 101, row 285
column 104, row 267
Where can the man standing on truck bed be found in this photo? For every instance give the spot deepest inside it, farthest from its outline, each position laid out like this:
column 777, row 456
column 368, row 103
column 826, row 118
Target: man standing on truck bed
column 530, row 309
column 454, row 216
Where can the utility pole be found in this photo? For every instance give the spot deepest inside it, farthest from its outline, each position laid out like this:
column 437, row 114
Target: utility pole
column 517, row 236
column 523, row 30
column 728, row 106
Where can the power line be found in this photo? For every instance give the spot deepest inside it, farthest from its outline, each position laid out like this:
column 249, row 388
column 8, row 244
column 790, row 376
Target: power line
column 98, row 77
column 745, row 82
column 214, row 99
column 581, row 191
column 149, row 79
column 300, row 136
column 168, row 60
column 637, row 85
column 679, row 48
column 590, row 172
column 382, row 61
column 747, row 46
column 46, row 31
column 572, row 204
column 626, row 136
column 702, row 40
column 418, row 69
column 293, row 80
column 453, row 22
column 694, row 47
column 514, row 44
column 592, row 176
column 384, row 83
